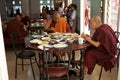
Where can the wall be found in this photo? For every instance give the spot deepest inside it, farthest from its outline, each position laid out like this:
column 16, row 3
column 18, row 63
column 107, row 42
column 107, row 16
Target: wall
column 95, row 10
column 95, row 7
column 35, row 8
column 3, row 64
column 25, row 6
column 3, row 9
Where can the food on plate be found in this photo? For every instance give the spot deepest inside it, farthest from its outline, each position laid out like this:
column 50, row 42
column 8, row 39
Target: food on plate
column 46, row 38
column 44, row 42
column 75, row 35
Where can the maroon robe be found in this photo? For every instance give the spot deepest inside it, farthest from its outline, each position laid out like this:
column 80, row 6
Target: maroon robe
column 15, row 25
column 25, row 20
column 104, row 55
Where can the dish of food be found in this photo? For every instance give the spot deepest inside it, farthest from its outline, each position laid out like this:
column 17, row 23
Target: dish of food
column 43, row 42
column 46, row 38
column 35, row 41
column 60, row 45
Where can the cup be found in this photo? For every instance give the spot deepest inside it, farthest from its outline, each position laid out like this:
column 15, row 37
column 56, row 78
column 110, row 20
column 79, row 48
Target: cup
column 80, row 40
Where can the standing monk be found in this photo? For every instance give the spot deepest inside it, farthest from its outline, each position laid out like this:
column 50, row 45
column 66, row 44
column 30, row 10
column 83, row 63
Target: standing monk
column 57, row 24
column 103, row 49
column 25, row 20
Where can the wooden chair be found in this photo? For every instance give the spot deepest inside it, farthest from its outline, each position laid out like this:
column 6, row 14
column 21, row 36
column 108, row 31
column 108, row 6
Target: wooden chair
column 21, row 53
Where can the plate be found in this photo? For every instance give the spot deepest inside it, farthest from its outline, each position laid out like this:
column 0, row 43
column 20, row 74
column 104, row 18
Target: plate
column 67, row 34
column 41, row 47
column 36, row 36
column 60, row 45
column 49, row 46
column 35, row 41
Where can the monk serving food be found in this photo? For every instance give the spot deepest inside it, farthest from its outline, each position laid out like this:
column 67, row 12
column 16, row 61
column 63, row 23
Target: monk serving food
column 104, row 46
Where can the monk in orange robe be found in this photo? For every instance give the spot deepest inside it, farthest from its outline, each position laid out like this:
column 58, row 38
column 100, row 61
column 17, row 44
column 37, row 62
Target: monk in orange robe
column 103, row 49
column 57, row 24
column 15, row 25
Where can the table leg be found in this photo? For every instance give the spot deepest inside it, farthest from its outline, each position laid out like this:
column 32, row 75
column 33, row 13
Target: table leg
column 81, row 76
column 41, row 61
column 73, row 59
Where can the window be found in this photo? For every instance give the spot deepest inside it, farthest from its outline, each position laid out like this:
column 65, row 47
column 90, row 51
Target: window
column 13, row 6
column 48, row 3
column 41, row 2
column 13, row 2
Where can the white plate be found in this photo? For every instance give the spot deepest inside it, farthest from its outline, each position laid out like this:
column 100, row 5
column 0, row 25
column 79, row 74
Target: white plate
column 41, row 47
column 34, row 41
column 60, row 45
column 36, row 36
column 49, row 46
column 67, row 34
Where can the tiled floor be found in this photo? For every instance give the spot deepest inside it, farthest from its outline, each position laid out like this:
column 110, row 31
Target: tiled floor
column 27, row 74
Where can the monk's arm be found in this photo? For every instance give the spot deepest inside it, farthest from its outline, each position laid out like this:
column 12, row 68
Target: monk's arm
column 47, row 29
column 88, row 38
column 95, row 43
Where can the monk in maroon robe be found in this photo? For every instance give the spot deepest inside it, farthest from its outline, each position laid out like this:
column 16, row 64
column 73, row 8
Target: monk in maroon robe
column 103, row 49
column 15, row 25
column 25, row 20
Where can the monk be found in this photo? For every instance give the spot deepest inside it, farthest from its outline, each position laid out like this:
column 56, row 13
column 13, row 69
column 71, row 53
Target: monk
column 104, row 46
column 15, row 25
column 57, row 24
column 25, row 20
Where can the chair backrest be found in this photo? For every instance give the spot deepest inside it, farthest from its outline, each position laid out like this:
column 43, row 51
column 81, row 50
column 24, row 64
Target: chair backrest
column 118, row 46
column 15, row 39
column 118, row 37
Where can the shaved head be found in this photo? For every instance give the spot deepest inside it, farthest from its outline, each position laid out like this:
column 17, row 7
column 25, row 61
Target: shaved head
column 95, row 22
column 96, row 19
column 56, row 16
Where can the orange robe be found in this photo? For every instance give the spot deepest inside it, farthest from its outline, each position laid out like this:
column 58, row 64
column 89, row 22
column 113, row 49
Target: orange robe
column 61, row 25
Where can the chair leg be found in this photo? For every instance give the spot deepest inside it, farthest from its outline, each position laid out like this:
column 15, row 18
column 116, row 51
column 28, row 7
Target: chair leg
column 16, row 69
column 22, row 65
column 36, row 61
column 32, row 68
column 118, row 60
column 100, row 73
column 67, row 76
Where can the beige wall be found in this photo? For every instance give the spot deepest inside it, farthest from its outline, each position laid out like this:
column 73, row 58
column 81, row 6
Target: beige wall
column 3, row 9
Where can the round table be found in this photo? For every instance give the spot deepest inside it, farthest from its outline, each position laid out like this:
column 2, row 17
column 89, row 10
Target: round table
column 75, row 46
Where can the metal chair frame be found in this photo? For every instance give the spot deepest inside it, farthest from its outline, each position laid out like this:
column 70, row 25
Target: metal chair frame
column 19, row 51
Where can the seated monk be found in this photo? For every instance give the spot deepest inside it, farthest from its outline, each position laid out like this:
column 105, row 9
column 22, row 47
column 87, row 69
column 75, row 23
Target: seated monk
column 103, row 49
column 57, row 24
column 15, row 25
column 25, row 20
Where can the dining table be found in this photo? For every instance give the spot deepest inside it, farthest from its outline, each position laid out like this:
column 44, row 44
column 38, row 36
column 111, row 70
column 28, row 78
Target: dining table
column 36, row 27
column 34, row 42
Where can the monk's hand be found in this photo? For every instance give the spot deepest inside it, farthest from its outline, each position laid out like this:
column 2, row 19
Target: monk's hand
column 25, row 28
column 52, row 29
column 85, row 36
